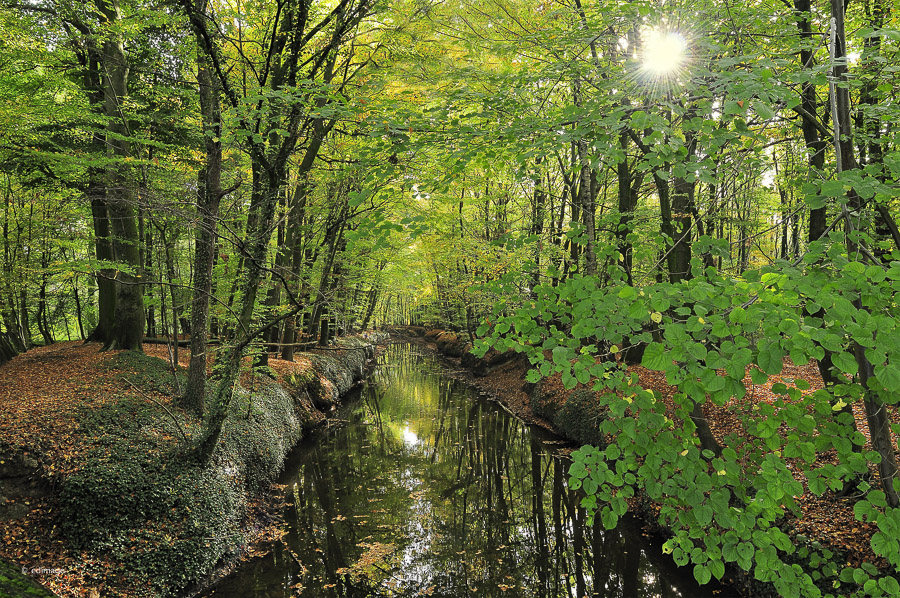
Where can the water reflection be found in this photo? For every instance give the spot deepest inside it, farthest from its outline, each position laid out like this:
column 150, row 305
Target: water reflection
column 428, row 491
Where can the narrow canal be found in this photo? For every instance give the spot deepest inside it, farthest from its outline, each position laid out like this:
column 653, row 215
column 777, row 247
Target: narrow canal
column 429, row 490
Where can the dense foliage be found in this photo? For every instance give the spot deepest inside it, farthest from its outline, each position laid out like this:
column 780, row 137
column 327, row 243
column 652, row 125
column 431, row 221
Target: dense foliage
column 707, row 188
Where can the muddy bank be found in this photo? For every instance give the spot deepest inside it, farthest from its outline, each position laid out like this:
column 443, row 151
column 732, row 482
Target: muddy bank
column 133, row 515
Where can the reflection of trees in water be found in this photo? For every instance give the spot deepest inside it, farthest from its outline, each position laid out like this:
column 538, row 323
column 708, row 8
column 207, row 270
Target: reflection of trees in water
column 471, row 502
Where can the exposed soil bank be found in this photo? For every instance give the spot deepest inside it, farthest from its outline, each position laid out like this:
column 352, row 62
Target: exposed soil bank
column 99, row 500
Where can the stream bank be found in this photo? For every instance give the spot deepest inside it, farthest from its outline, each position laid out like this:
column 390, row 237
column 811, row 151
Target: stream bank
column 424, row 488
column 831, row 530
column 571, row 414
column 109, row 505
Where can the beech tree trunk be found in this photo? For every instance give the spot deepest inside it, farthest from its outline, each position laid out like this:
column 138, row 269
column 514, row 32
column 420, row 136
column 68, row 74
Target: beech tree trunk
column 876, row 413
column 209, row 197
column 809, row 125
column 295, row 239
column 121, row 301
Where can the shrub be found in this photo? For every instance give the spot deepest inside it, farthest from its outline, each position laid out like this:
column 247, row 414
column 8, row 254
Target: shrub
column 166, row 520
column 261, row 428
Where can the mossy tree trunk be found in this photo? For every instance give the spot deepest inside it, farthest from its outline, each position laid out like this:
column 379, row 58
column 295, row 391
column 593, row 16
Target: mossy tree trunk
column 263, row 210
column 209, row 197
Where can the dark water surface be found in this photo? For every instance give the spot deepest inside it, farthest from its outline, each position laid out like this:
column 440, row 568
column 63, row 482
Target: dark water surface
column 429, row 490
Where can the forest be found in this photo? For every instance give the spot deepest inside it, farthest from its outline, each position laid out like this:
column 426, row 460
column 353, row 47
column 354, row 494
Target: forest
column 707, row 189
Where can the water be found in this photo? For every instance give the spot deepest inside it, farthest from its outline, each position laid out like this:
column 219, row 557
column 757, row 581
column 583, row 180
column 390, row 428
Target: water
column 428, row 490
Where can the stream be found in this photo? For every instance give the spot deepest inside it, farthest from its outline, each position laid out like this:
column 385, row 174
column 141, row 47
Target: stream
column 426, row 489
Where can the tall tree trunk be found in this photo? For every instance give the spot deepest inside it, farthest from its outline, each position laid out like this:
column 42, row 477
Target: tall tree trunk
column 8, row 312
column 574, row 218
column 170, row 274
column 93, row 83
column 538, row 216
column 262, row 213
column 296, row 242
column 274, row 294
column 586, row 195
column 371, row 302
column 629, row 184
column 809, row 125
column 42, row 321
column 78, row 311
column 872, row 142
column 333, row 239
column 128, row 325
column 106, row 284
column 209, row 197
column 815, row 147
column 7, row 349
column 147, row 252
column 876, row 414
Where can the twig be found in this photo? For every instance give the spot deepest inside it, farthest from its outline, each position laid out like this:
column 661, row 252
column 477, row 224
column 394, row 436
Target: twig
column 151, row 399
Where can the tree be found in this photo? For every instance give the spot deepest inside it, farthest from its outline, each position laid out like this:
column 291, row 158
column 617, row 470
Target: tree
column 97, row 42
column 271, row 121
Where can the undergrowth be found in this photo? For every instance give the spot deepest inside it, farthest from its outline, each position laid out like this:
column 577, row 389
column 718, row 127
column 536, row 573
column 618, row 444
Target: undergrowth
column 140, row 500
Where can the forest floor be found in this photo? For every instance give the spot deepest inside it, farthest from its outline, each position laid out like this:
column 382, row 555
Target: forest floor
column 41, row 394
column 827, row 519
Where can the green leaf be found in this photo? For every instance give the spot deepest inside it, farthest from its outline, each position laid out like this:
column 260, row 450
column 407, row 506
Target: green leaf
column 889, row 376
column 717, row 568
column 889, row 585
column 757, row 376
column 738, row 315
column 655, row 357
column 627, row 292
column 608, row 518
column 882, row 545
column 763, row 110
column 702, row 574
column 816, row 485
column 745, row 555
column 788, row 326
column 771, row 357
column 832, row 188
column 704, row 514
column 577, row 469
column 845, row 362
column 640, row 120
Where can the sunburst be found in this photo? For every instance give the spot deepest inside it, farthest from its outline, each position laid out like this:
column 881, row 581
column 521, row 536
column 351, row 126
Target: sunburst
column 664, row 55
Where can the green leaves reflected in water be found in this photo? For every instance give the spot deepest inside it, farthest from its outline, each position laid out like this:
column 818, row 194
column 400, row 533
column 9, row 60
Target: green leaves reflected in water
column 430, row 491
